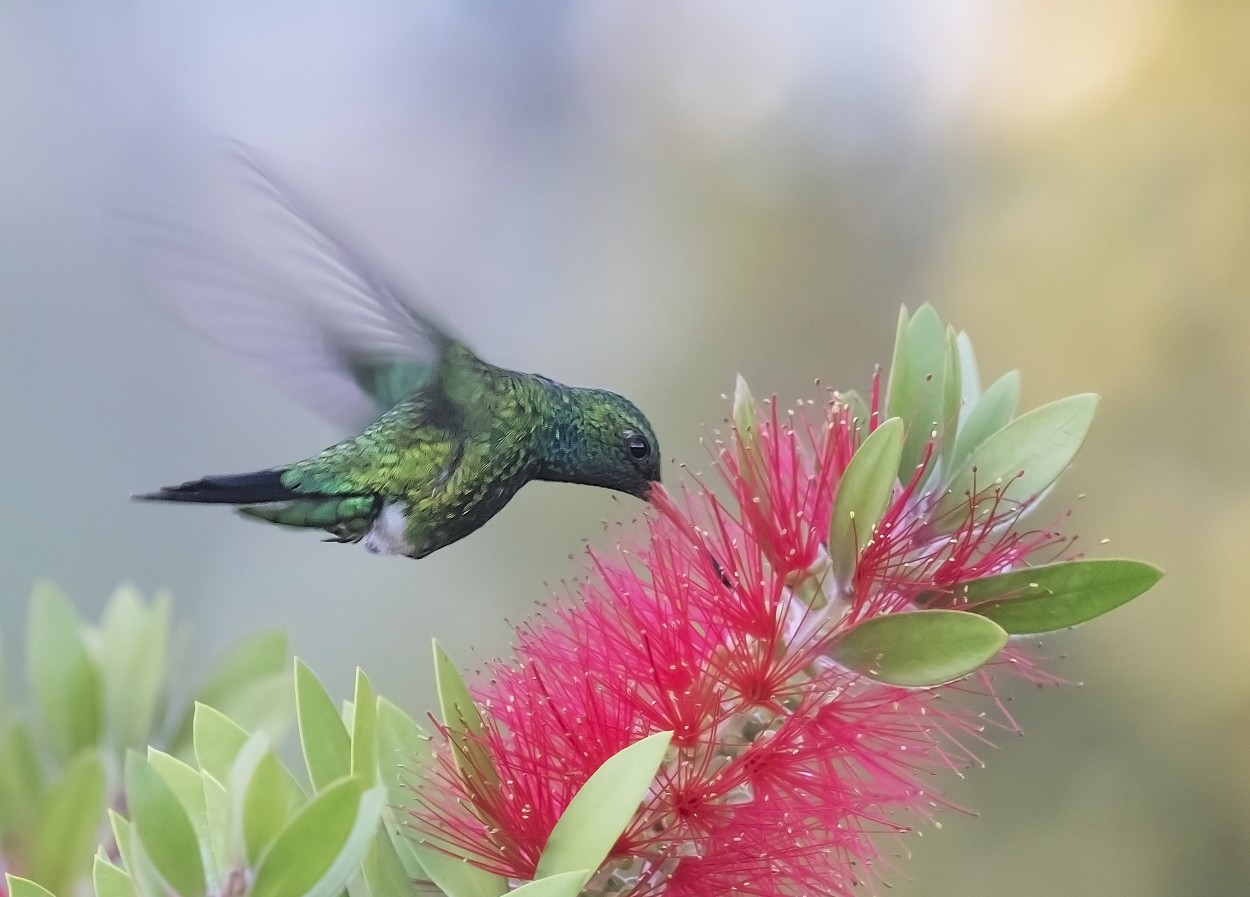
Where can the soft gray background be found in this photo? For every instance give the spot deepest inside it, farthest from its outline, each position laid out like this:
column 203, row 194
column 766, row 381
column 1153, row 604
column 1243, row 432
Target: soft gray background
column 653, row 197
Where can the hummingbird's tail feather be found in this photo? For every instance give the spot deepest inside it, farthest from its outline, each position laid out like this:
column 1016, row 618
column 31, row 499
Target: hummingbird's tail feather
column 264, row 496
column 259, row 487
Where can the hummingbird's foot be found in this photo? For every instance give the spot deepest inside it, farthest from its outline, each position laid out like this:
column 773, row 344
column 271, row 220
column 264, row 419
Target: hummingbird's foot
column 352, row 530
column 343, row 535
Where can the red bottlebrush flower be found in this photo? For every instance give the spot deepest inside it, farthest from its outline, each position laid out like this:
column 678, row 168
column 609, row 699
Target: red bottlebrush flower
column 722, row 627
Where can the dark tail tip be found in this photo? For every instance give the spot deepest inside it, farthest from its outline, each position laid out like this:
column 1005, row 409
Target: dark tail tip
column 255, row 488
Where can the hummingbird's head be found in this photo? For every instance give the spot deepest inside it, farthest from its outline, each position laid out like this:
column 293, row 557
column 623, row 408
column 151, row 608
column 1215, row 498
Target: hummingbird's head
column 602, row 439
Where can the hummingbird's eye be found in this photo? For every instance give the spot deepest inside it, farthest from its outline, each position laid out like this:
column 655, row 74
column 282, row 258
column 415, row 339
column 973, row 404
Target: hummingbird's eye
column 637, row 444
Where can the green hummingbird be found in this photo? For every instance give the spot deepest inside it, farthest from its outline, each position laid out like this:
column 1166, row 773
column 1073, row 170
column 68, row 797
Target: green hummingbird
column 447, row 437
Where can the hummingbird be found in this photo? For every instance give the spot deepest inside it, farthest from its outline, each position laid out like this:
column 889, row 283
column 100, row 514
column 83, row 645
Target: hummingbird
column 442, row 438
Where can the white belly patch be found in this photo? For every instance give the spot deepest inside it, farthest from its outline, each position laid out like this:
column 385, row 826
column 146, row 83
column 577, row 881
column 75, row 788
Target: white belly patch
column 386, row 536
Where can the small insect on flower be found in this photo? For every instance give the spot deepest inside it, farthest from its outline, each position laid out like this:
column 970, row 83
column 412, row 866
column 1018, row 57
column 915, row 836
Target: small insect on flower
column 802, row 642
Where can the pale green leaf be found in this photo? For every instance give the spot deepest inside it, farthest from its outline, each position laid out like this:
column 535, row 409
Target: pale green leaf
column 144, row 877
column 744, row 411
column 186, row 782
column 65, row 825
column 132, row 658
column 1020, row 461
column 218, row 816
column 320, row 849
column 241, row 773
column 266, row 705
column 405, row 845
column 21, row 779
column 456, row 877
column 63, row 675
column 5, row 697
column 383, row 870
column 969, row 376
column 265, row 654
column 218, row 740
column 24, row 887
column 122, row 831
column 257, row 663
column 402, row 746
column 1055, row 596
column 364, row 731
column 603, row 808
column 463, row 722
column 863, row 495
column 562, row 884
column 327, row 746
column 109, row 880
column 917, row 385
column 991, row 413
column 858, row 408
column 952, row 399
column 266, row 805
column 162, row 826
column 919, row 649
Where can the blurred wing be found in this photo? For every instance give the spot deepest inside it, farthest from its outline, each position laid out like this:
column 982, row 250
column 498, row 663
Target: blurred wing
column 293, row 296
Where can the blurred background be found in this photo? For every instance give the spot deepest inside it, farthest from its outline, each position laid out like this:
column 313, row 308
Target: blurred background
column 653, row 197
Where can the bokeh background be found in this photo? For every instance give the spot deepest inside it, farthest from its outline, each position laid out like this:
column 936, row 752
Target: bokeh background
column 652, row 197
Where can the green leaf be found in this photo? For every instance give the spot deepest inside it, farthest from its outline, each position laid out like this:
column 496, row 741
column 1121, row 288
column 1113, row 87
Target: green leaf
column 21, row 779
column 266, row 805
column 63, row 675
column 991, row 413
column 562, row 884
column 109, row 880
column 132, row 660
column 5, row 697
column 321, row 847
column 858, row 408
column 863, row 495
column 65, row 825
column 144, row 877
column 745, row 424
column 952, row 399
column 401, row 746
column 224, row 841
column 327, row 747
column 464, row 724
column 1055, row 596
column 162, row 826
column 405, row 845
column 456, row 877
column 122, row 831
column 919, row 649
column 969, row 376
column 602, row 809
column 255, row 664
column 744, row 411
column 364, row 731
column 218, row 740
column 917, row 387
column 24, row 887
column 1021, row 460
column 185, row 781
column 187, row 784
column 267, row 705
column 383, row 869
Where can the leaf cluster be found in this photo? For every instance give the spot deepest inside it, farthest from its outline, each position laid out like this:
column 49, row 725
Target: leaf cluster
column 96, row 694
column 967, row 453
